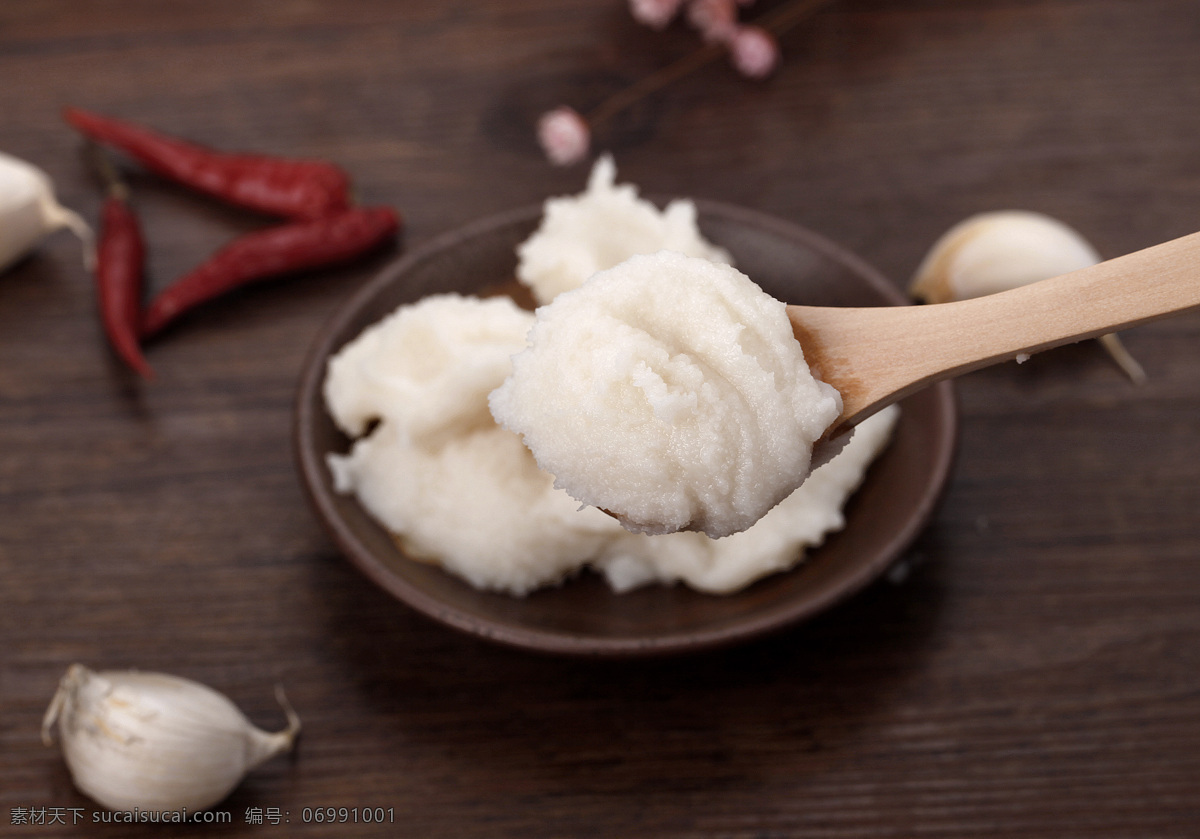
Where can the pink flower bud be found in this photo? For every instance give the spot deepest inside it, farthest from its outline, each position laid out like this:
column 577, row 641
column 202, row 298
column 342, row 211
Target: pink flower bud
column 564, row 136
column 716, row 20
column 654, row 13
column 754, row 52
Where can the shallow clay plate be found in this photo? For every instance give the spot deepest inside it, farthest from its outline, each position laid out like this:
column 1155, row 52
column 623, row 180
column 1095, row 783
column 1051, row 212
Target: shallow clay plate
column 583, row 616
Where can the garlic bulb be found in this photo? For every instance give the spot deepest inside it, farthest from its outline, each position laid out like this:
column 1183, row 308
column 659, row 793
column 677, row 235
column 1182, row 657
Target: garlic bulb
column 29, row 212
column 992, row 252
column 150, row 741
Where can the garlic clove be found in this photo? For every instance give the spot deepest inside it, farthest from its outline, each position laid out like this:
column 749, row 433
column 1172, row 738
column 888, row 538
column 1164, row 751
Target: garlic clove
column 29, row 212
column 997, row 251
column 152, row 741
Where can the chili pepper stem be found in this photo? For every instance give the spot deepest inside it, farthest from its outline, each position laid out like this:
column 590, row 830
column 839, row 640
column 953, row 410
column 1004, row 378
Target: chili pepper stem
column 114, row 186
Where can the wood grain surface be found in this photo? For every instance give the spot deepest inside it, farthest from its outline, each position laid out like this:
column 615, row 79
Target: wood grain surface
column 1032, row 669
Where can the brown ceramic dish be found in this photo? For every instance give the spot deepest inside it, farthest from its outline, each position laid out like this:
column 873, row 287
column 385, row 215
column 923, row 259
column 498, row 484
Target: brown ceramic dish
column 583, row 616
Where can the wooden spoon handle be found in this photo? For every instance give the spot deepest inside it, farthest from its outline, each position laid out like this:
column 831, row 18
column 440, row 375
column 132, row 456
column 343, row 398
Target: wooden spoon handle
column 876, row 356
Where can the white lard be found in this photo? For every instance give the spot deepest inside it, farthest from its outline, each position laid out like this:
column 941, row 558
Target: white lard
column 670, row 392
column 606, row 224
column 432, row 466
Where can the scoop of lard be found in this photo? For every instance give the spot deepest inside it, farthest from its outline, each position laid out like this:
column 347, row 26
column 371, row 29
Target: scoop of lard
column 670, row 392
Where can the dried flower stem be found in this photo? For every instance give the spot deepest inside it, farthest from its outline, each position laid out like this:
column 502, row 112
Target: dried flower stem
column 777, row 23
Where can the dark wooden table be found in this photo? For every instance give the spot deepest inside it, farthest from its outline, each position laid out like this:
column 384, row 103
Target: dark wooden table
column 1035, row 674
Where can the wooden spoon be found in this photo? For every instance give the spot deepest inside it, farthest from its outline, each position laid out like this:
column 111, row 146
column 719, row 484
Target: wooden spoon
column 877, row 356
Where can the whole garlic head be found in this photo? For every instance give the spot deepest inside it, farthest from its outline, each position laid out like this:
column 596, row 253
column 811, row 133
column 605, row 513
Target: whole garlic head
column 151, row 741
column 998, row 251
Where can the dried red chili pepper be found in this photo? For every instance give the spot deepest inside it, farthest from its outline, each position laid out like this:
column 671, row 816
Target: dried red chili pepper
column 273, row 252
column 300, row 189
column 120, row 260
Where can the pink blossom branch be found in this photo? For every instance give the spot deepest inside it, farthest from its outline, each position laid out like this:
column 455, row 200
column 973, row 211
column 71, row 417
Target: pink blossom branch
column 565, row 135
